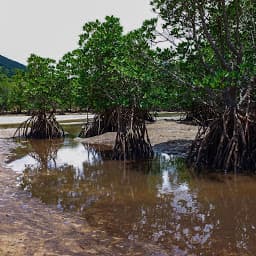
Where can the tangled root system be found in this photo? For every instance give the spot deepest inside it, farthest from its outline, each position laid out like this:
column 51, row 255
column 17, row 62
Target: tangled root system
column 101, row 123
column 202, row 114
column 40, row 126
column 132, row 141
column 106, row 122
column 228, row 143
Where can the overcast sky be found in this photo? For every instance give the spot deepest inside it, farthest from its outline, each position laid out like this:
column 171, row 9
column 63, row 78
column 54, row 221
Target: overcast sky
column 50, row 28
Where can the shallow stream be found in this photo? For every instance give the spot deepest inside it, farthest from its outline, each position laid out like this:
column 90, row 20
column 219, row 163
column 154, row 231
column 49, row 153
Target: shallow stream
column 158, row 201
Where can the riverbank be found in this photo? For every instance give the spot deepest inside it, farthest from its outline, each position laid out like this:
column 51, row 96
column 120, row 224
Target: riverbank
column 28, row 227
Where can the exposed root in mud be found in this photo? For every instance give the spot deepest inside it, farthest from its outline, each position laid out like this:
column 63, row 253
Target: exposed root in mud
column 202, row 114
column 227, row 143
column 106, row 122
column 101, row 123
column 132, row 141
column 149, row 117
column 40, row 126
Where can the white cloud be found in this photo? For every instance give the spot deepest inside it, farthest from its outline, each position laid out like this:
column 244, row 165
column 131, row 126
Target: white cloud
column 51, row 27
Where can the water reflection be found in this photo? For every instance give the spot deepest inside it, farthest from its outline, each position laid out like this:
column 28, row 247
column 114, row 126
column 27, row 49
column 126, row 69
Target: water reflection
column 158, row 200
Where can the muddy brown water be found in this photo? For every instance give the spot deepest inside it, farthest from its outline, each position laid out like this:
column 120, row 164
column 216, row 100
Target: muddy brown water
column 158, row 201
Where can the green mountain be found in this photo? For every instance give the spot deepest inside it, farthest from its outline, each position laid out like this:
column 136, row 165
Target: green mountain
column 9, row 66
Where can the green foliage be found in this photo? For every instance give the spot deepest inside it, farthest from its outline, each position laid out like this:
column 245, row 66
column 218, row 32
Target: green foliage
column 216, row 40
column 212, row 48
column 18, row 101
column 116, row 69
column 99, row 46
column 67, row 81
column 5, row 89
column 108, row 69
column 9, row 66
column 41, row 90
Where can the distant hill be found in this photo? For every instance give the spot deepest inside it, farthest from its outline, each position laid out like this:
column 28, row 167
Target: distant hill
column 10, row 65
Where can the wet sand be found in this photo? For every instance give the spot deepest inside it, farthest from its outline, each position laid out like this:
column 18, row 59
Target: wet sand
column 28, row 227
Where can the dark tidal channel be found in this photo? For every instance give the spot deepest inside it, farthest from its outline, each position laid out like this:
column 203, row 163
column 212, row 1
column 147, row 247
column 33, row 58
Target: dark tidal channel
column 158, row 201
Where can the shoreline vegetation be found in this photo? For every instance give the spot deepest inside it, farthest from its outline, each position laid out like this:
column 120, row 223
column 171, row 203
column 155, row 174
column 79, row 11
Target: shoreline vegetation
column 207, row 70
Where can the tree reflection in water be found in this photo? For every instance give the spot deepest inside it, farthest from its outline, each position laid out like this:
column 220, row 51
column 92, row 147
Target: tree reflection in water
column 157, row 200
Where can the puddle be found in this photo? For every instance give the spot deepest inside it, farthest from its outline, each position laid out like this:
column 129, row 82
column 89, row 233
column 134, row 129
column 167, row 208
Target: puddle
column 157, row 201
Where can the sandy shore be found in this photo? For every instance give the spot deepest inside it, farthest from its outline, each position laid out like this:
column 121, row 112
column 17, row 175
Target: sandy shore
column 28, row 227
column 17, row 119
column 169, row 137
